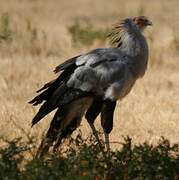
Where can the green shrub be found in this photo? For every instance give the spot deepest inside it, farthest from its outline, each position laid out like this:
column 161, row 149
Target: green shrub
column 84, row 160
column 5, row 29
column 85, row 34
column 175, row 42
column 23, row 38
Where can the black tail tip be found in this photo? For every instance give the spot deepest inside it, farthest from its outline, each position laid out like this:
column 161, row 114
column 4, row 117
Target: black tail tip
column 56, row 70
column 30, row 102
column 34, row 102
column 34, row 121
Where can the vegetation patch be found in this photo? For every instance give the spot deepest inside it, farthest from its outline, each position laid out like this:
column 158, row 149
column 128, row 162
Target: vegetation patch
column 5, row 29
column 84, row 160
column 24, row 38
column 85, row 34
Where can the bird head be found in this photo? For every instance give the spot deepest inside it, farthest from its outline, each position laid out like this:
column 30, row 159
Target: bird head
column 134, row 25
column 141, row 22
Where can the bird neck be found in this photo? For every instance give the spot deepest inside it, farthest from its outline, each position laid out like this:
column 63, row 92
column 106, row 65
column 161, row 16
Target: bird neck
column 131, row 44
column 135, row 47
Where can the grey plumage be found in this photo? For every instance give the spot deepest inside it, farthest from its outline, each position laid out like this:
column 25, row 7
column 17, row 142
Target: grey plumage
column 101, row 76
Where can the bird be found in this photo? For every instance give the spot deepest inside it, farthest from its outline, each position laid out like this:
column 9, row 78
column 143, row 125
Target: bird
column 91, row 83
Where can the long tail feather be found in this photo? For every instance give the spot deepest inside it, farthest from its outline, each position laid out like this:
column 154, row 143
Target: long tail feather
column 66, row 64
column 50, row 105
column 51, row 135
column 65, row 121
column 50, row 87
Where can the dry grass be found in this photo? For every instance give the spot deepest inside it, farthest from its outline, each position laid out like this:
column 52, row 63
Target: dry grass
column 39, row 41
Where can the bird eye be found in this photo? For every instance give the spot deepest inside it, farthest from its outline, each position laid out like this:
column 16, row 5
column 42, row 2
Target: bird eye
column 135, row 20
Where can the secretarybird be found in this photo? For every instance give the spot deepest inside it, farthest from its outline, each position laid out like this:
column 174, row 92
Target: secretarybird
column 91, row 83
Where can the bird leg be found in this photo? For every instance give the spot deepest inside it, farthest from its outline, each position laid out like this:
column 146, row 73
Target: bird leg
column 51, row 135
column 95, row 133
column 107, row 113
column 106, row 136
column 91, row 114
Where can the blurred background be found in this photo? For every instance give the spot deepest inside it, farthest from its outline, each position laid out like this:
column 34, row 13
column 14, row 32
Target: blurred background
column 37, row 35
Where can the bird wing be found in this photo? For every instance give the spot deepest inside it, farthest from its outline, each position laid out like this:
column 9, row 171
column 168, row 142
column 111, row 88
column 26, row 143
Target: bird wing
column 67, row 64
column 97, row 70
column 82, row 76
column 91, row 58
column 98, row 56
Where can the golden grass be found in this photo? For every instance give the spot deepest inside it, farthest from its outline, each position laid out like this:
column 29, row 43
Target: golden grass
column 151, row 110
